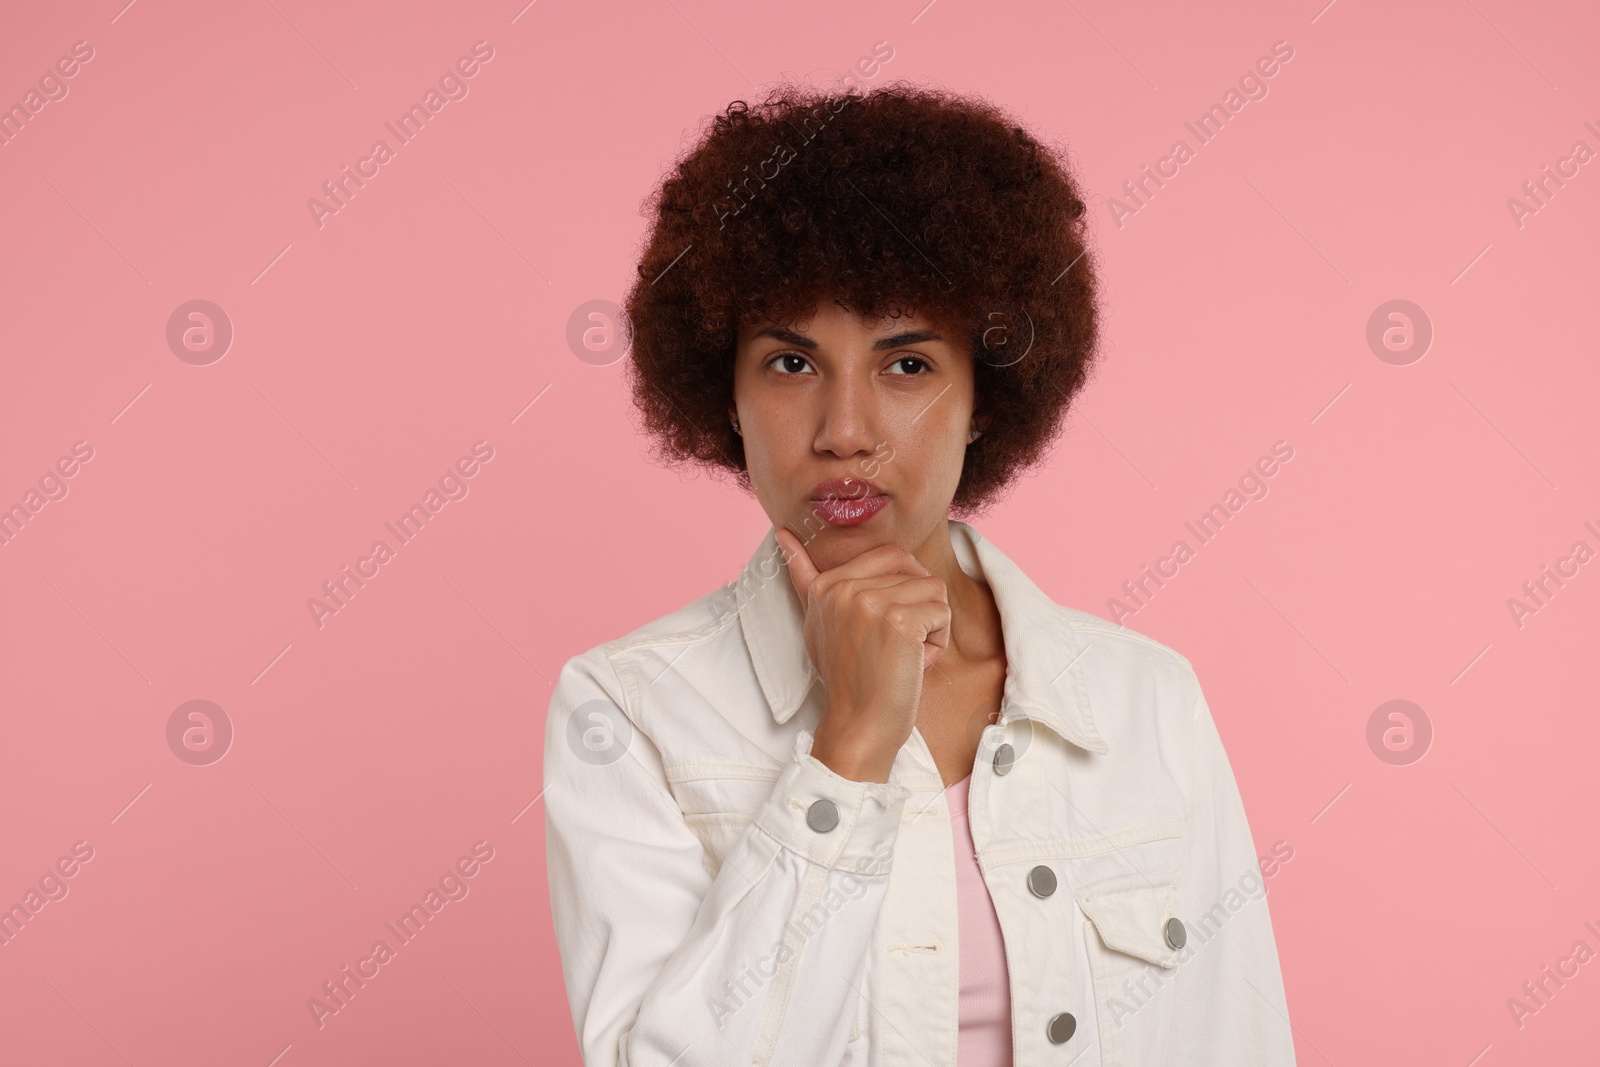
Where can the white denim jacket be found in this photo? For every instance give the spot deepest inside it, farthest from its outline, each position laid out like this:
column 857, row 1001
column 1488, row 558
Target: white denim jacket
column 721, row 897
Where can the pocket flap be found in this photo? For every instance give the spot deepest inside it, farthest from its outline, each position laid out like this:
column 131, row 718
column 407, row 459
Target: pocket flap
column 1132, row 916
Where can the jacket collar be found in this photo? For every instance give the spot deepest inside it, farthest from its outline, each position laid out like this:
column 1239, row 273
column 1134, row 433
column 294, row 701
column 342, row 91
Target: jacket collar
column 1044, row 674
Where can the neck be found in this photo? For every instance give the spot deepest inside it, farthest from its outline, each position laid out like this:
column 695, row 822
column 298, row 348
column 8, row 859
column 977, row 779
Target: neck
column 974, row 618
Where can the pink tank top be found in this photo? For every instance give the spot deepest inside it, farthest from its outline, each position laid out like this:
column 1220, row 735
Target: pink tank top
column 985, row 1034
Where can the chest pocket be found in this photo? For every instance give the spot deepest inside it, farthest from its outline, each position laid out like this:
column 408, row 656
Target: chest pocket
column 719, row 801
column 1133, row 964
column 718, row 831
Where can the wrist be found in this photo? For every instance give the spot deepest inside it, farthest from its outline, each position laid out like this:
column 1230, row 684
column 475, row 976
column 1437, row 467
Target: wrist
column 852, row 758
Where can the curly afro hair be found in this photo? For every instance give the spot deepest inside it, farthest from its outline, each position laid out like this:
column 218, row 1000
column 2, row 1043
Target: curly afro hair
column 900, row 197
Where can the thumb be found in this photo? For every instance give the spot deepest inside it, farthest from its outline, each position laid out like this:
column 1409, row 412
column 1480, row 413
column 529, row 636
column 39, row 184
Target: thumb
column 801, row 570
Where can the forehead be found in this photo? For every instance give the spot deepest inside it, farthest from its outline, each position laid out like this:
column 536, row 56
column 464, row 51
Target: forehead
column 830, row 317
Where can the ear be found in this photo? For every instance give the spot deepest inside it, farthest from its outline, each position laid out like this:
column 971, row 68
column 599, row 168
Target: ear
column 981, row 417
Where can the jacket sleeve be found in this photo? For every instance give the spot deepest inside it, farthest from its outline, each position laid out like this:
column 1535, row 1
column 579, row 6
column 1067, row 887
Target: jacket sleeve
column 665, row 964
column 1231, row 1006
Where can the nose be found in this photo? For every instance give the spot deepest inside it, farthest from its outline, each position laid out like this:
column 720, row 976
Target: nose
column 847, row 425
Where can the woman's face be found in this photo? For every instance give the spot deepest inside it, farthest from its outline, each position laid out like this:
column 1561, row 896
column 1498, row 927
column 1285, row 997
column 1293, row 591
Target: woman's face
column 882, row 409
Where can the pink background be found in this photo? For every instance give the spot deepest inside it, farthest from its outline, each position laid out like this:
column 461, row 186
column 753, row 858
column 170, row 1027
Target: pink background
column 433, row 310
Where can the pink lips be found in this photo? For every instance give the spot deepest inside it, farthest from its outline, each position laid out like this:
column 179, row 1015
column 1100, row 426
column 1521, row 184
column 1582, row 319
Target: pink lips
column 846, row 501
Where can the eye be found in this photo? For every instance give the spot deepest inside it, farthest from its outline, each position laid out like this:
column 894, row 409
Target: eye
column 910, row 359
column 785, row 364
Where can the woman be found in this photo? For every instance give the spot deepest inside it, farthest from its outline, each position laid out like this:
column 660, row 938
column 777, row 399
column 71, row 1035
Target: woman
column 881, row 800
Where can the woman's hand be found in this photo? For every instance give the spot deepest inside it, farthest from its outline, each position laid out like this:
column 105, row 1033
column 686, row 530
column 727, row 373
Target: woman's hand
column 873, row 625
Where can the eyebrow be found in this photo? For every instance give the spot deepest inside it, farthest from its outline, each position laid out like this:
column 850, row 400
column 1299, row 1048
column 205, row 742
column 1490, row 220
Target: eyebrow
column 908, row 337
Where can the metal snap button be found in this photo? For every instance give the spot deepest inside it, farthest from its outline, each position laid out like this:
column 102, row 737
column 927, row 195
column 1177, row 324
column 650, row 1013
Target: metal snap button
column 1175, row 933
column 822, row 815
column 1061, row 1027
column 1004, row 757
column 1042, row 881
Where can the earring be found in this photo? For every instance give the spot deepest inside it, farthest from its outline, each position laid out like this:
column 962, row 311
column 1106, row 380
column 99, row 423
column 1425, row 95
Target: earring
column 736, row 428
column 973, row 435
